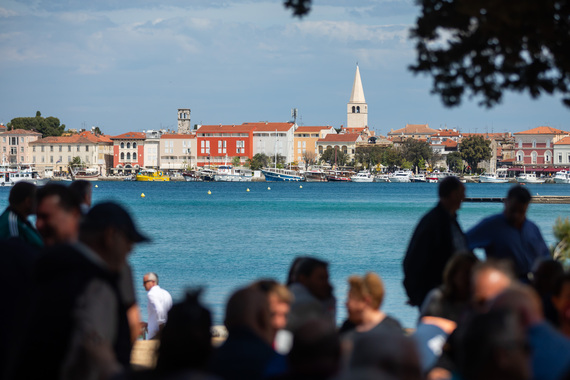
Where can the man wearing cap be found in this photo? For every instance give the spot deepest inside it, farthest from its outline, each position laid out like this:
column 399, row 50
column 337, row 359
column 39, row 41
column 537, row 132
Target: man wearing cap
column 159, row 302
column 78, row 301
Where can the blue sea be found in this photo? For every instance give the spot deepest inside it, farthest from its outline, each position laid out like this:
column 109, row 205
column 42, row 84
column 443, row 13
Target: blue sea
column 226, row 239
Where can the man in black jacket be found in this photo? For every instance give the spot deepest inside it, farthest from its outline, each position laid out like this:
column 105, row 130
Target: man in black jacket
column 437, row 237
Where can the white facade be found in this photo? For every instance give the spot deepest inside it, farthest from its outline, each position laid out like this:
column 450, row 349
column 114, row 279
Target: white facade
column 357, row 109
column 151, row 148
column 275, row 138
column 562, row 152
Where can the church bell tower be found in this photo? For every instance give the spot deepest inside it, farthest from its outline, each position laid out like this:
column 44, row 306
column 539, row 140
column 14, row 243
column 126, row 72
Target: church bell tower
column 357, row 109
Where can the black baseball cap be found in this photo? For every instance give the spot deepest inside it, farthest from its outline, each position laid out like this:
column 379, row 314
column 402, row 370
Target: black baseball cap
column 111, row 214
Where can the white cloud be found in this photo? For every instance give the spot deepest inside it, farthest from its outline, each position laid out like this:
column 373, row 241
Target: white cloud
column 7, row 13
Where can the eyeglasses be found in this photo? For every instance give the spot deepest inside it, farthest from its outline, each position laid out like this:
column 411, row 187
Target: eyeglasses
column 144, row 282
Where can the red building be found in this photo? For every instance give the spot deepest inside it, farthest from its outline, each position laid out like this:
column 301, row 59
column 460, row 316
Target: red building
column 536, row 146
column 128, row 151
column 219, row 144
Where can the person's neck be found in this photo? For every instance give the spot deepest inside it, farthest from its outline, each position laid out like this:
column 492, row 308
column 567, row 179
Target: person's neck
column 370, row 319
column 448, row 207
column 20, row 212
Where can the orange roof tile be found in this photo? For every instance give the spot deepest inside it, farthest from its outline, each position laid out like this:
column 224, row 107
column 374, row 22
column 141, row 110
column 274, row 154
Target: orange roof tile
column 542, row 131
column 268, row 127
column 225, row 128
column 564, row 141
column 411, row 129
column 21, row 132
column 176, row 136
column 130, row 136
column 306, row 129
column 342, row 137
column 447, row 133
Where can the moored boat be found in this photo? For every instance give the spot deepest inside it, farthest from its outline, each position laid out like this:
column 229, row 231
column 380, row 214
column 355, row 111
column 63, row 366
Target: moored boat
column 339, row 176
column 280, row 175
column 315, row 176
column 402, row 176
column 227, row 173
column 151, row 175
column 529, row 178
column 499, row 177
column 382, row 178
column 362, row 176
column 562, row 176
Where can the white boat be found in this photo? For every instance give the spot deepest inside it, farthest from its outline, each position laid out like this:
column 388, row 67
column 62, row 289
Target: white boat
column 499, row 177
column 227, row 173
column 362, row 176
column 402, row 176
column 315, row 175
column 85, row 174
column 382, row 178
column 418, row 178
column 529, row 178
column 562, row 177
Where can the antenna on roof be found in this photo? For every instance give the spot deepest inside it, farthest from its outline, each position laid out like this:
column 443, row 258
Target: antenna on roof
column 294, row 113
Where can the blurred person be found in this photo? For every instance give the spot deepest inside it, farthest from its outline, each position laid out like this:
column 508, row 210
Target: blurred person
column 451, row 299
column 436, row 239
column 312, row 293
column 561, row 302
column 247, row 353
column 489, row 279
column 545, row 276
column 58, row 214
column 510, row 235
column 77, row 299
column 14, row 220
column 159, row 301
column 83, row 190
column 493, row 346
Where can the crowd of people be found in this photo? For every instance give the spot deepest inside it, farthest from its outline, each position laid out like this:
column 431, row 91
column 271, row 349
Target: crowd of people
column 71, row 310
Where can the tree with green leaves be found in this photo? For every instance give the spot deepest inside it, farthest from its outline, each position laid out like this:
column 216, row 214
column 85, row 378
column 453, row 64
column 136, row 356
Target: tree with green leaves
column 334, row 156
column 415, row 150
column 49, row 126
column 475, row 149
column 392, row 158
column 454, row 162
column 260, row 160
column 368, row 156
column 236, row 161
column 76, row 162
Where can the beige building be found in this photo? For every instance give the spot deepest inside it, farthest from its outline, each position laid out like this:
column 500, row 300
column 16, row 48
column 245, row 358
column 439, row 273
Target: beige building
column 414, row 131
column 305, row 140
column 14, row 146
column 54, row 154
column 345, row 142
column 177, row 151
column 562, row 152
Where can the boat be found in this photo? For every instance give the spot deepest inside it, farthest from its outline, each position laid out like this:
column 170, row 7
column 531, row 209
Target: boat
column 315, row 176
column 191, row 176
column 562, row 177
column 382, row 178
column 499, row 177
column 436, row 176
column 402, row 176
column 206, row 175
column 529, row 178
column 339, row 176
column 5, row 179
column 418, row 178
column 23, row 174
column 274, row 174
column 85, row 174
column 227, row 173
column 151, row 175
column 362, row 176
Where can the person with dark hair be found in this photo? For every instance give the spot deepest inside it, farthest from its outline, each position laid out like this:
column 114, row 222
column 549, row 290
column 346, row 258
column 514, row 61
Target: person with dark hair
column 312, row 293
column 77, row 298
column 14, row 220
column 561, row 302
column 58, row 214
column 83, row 191
column 510, row 235
column 436, row 239
column 545, row 276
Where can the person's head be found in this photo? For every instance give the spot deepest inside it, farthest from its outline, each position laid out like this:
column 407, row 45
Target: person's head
column 364, row 294
column 392, row 354
column 561, row 298
column 451, row 193
column 294, row 269
column 22, row 198
column 82, row 190
column 149, row 280
column 545, row 274
column 489, row 278
column 523, row 300
column 314, row 275
column 185, row 341
column 316, row 350
column 516, row 205
column 493, row 346
column 57, row 214
column 249, row 308
column 280, row 299
column 457, row 277
column 109, row 231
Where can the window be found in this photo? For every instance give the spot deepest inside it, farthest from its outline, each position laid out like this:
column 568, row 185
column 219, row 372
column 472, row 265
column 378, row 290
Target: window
column 33, row 148
column 520, row 156
column 353, row 109
column 559, row 158
column 533, row 156
column 128, row 156
column 547, row 157
column 298, row 144
column 304, row 144
column 34, row 159
column 4, row 139
column 534, row 143
column 78, row 148
column 520, row 143
column 51, row 159
column 69, row 148
column 13, row 141
column 42, row 148
column 68, row 158
column 134, row 145
column 21, row 140
column 87, row 148
column 60, row 148
column 43, row 159
column 548, row 143
column 122, row 155
column 122, row 145
column 134, row 156
column 21, row 149
column 51, row 148
column 21, row 158
column 128, row 145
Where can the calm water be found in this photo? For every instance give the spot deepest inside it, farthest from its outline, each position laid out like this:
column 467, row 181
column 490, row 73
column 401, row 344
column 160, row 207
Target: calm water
column 225, row 240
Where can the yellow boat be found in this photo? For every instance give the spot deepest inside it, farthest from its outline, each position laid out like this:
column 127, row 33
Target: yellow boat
column 152, row 175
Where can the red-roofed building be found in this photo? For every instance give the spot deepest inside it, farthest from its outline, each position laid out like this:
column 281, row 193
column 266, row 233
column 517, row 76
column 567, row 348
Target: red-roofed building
column 305, row 141
column 535, row 146
column 128, row 152
column 55, row 153
column 346, row 142
column 218, row 144
column 177, row 151
column 274, row 138
column 14, row 146
column 562, row 152
column 414, row 131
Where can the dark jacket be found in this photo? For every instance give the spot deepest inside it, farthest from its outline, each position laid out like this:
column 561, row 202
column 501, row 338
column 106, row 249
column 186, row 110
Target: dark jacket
column 429, row 250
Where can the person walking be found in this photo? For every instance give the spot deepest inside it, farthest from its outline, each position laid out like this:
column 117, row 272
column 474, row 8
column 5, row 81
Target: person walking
column 159, row 303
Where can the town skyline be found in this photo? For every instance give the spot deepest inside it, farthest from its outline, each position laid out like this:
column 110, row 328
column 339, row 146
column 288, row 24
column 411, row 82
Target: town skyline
column 130, row 67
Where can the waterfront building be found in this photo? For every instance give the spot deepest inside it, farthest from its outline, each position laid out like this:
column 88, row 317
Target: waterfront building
column 357, row 108
column 55, row 153
column 151, row 148
column 413, row 131
column 305, row 142
column 536, row 146
column 3, row 128
column 128, row 152
column 345, row 142
column 177, row 151
column 14, row 146
column 562, row 152
column 274, row 138
column 219, row 144
column 184, row 126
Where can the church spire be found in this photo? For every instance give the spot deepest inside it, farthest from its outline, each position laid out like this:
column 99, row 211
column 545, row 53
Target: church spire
column 357, row 95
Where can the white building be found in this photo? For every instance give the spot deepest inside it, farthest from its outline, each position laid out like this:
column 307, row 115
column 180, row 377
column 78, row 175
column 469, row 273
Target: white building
column 274, row 138
column 562, row 152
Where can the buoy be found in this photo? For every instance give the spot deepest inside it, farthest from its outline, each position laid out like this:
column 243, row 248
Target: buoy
column 209, row 192
column 301, row 186
column 142, row 195
column 96, row 186
column 247, row 190
column 269, row 188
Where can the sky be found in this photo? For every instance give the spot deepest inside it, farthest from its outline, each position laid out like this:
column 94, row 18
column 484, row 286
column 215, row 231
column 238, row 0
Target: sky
column 129, row 65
